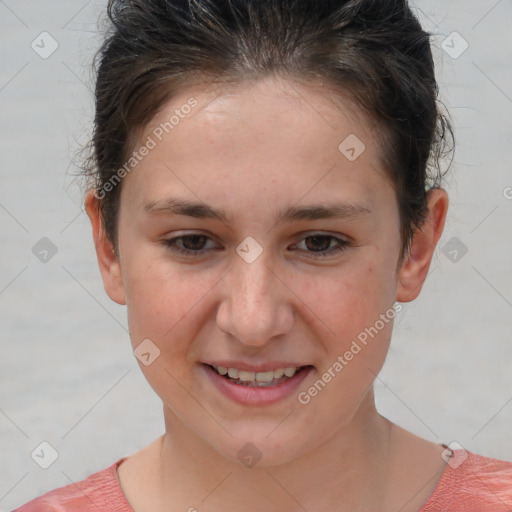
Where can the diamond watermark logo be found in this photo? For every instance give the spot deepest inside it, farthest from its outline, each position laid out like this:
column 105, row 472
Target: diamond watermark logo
column 44, row 455
column 352, row 147
column 249, row 455
column 44, row 45
column 44, row 250
column 454, row 45
column 249, row 250
column 454, row 249
column 454, row 455
column 147, row 352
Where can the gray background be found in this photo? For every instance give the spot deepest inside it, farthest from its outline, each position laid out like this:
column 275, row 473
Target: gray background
column 67, row 374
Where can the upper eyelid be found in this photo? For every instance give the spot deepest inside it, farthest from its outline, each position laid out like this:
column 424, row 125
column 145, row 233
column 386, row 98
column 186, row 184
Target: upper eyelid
column 301, row 236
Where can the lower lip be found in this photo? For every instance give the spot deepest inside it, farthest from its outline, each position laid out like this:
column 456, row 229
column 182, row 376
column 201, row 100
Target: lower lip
column 254, row 395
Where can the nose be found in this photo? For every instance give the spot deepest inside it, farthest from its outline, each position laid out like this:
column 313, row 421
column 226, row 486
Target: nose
column 256, row 305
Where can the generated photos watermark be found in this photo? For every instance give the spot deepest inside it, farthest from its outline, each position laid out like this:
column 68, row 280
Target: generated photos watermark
column 304, row 397
column 151, row 142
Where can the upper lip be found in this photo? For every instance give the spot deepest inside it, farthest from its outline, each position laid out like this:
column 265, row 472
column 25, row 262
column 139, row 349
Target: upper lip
column 263, row 367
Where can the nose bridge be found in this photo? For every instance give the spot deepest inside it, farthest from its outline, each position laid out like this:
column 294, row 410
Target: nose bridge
column 252, row 283
column 254, row 307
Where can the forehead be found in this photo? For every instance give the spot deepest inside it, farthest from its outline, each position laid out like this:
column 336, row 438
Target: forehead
column 267, row 137
column 249, row 111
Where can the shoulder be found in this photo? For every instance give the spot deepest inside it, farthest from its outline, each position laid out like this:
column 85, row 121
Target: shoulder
column 472, row 482
column 98, row 492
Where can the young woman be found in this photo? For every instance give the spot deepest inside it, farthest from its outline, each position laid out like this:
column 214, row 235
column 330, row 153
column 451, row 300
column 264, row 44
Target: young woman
column 266, row 193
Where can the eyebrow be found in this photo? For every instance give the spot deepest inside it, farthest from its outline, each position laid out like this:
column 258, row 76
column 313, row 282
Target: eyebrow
column 201, row 210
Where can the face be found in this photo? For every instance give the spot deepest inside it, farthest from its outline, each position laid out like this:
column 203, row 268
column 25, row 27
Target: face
column 249, row 240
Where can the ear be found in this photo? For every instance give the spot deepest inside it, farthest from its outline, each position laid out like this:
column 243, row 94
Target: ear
column 108, row 261
column 414, row 269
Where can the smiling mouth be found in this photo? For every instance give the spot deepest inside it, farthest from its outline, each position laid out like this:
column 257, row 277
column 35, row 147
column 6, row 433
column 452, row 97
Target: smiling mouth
column 258, row 379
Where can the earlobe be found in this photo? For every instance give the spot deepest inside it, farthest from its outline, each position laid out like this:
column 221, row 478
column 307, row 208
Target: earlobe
column 414, row 269
column 108, row 261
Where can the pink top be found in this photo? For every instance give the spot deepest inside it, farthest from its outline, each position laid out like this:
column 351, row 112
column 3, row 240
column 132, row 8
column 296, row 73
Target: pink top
column 469, row 483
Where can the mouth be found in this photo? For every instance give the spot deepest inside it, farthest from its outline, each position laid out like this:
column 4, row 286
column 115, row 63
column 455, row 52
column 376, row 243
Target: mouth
column 260, row 379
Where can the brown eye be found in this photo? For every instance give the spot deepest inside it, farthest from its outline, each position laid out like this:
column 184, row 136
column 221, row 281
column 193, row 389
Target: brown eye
column 193, row 244
column 318, row 243
column 319, row 246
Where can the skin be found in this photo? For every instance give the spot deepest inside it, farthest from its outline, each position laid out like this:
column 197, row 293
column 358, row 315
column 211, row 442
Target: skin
column 254, row 150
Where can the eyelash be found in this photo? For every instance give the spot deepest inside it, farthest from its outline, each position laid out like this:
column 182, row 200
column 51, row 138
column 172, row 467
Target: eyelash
column 342, row 245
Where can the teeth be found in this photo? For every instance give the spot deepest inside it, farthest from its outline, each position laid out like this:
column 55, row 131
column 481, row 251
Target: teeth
column 278, row 373
column 246, row 376
column 233, row 373
column 264, row 376
column 290, row 372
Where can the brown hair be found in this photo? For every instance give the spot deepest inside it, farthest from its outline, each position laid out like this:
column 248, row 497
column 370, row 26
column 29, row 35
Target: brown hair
column 373, row 50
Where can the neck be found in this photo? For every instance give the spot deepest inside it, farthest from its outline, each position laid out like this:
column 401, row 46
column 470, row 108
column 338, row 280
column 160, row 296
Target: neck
column 348, row 469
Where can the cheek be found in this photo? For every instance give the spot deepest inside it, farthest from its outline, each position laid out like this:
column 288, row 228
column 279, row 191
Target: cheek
column 163, row 302
column 166, row 306
column 348, row 299
column 351, row 304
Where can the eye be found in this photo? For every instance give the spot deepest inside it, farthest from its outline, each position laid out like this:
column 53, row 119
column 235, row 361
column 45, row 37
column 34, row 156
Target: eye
column 192, row 245
column 316, row 245
column 319, row 245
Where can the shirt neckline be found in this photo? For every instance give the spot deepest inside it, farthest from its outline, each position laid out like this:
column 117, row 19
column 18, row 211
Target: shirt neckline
column 438, row 486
